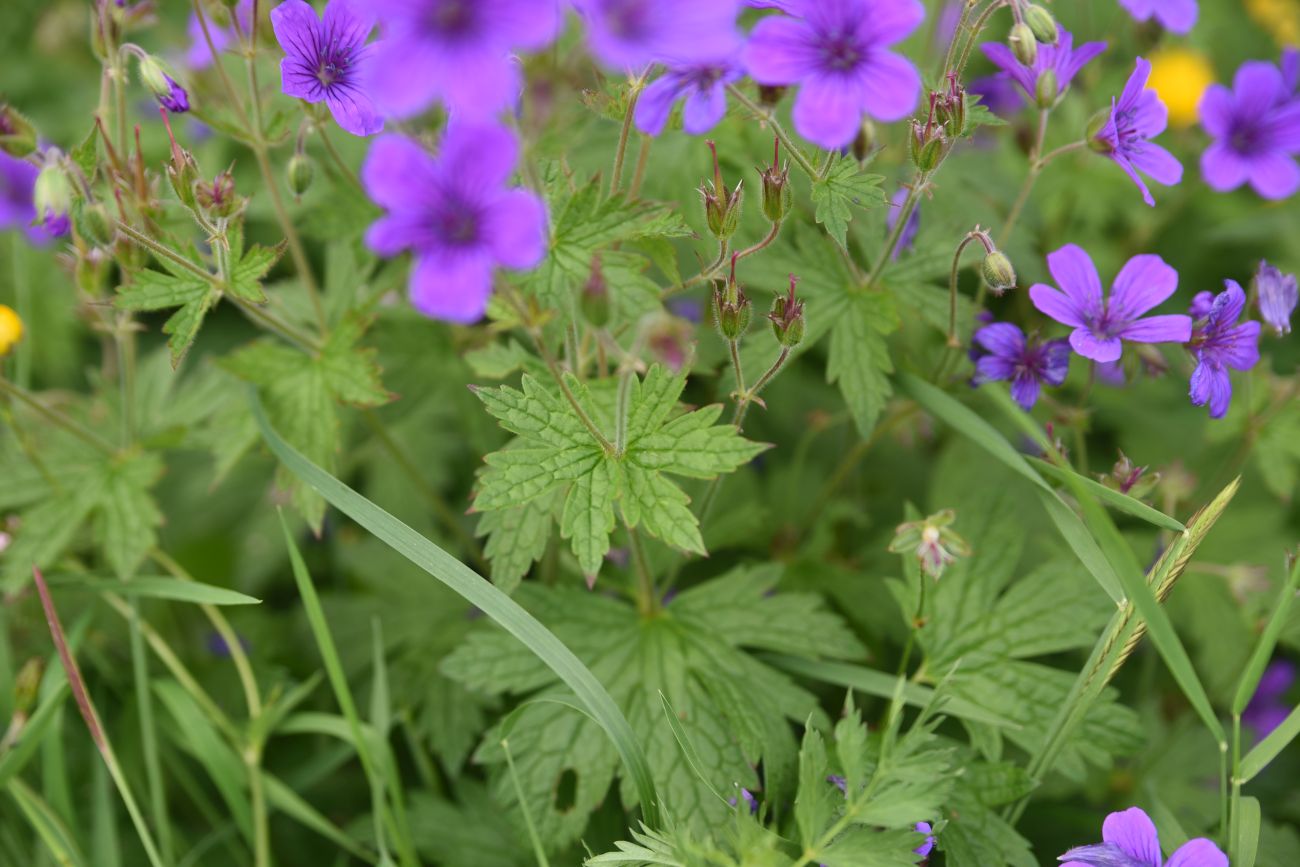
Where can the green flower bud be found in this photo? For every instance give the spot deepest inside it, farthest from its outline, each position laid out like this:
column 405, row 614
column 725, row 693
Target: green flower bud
column 998, row 272
column 302, row 169
column 721, row 207
column 595, row 301
column 94, row 224
column 17, row 135
column 1042, row 25
column 787, row 318
column 1023, row 44
column 731, row 308
column 1046, row 89
column 1096, row 124
column 53, row 193
column 928, row 146
column 778, row 195
column 218, row 198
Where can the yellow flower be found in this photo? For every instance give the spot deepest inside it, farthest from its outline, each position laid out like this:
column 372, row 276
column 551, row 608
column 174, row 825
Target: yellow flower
column 11, row 329
column 1180, row 76
column 1281, row 18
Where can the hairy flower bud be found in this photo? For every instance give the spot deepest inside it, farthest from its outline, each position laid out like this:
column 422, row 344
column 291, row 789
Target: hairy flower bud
column 301, row 170
column 778, row 195
column 865, row 141
column 11, row 329
column 53, row 198
column 1042, row 24
column 998, row 272
column 950, row 107
column 1093, row 134
column 1023, row 44
column 732, row 310
column 1046, row 89
column 17, row 135
column 595, row 301
column 218, row 198
column 928, row 144
column 94, row 224
column 721, row 207
column 787, row 318
column 169, row 94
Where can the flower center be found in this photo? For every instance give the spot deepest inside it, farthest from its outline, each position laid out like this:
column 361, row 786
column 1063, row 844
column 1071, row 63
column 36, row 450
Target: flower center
column 458, row 225
column 841, row 52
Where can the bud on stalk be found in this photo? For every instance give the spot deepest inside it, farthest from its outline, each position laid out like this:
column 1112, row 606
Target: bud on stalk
column 731, row 308
column 998, row 272
column 17, row 135
column 778, row 196
column 787, row 318
column 1041, row 23
column 302, row 170
column 1023, row 44
column 594, row 300
column 721, row 208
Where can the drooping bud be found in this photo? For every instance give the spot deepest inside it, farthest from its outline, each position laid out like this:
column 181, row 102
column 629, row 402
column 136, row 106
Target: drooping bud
column 302, row 169
column 595, row 301
column 778, row 195
column 53, row 197
column 1096, row 127
column 731, row 308
column 1046, row 89
column 218, row 198
column 787, row 318
column 169, row 94
column 1042, row 24
column 721, row 207
column 17, row 135
column 1023, row 44
column 932, row 541
column 997, row 271
column 11, row 329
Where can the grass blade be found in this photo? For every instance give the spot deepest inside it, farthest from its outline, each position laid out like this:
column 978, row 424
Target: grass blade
column 158, row 587
column 1243, row 848
column 1111, row 497
column 1268, row 749
column 1267, row 641
column 478, row 591
column 688, row 749
column 15, row 759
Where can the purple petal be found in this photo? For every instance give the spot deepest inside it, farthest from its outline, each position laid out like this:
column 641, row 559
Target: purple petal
column 1156, row 162
column 1056, row 362
column 1210, row 384
column 1144, row 282
column 1133, row 832
column 526, row 24
column 1226, row 308
column 1024, row 390
column 656, row 103
column 828, row 110
column 1274, row 175
column 1057, row 305
column 349, row 22
column 1074, row 272
column 1096, row 347
column 515, row 226
column 477, row 156
column 1001, row 338
column 1123, row 162
column 1198, row 853
column 481, row 84
column 1216, row 110
column 1223, row 168
column 353, row 111
column 890, row 86
column 1171, row 328
column 885, row 22
column 295, row 25
column 405, row 76
column 391, row 234
column 1240, row 349
column 398, row 173
column 780, row 51
column 452, row 285
column 704, row 108
column 994, row 367
column 1256, row 87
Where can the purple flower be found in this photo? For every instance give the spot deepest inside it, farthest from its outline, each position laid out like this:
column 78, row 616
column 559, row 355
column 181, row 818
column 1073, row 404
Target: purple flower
column 175, row 99
column 1026, row 364
column 837, row 53
column 704, row 87
column 1202, row 302
column 1267, row 709
column 1276, row 298
column 1131, row 841
column 1137, row 116
column 750, row 801
column 839, row 782
column 1177, row 16
column 455, row 214
column 1061, row 61
column 17, row 192
column 198, row 56
column 630, row 34
column 927, row 846
column 997, row 93
column 326, row 59
column 910, row 228
column 1220, row 343
column 456, row 51
column 1100, row 325
column 1256, row 131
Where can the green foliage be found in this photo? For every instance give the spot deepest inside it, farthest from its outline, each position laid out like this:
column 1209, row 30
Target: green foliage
column 859, row 355
column 842, row 187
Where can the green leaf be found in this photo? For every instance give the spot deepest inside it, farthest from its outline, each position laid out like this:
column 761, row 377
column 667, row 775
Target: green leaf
column 517, row 538
column 157, row 587
column 859, row 356
column 1263, row 652
column 154, row 290
column 813, row 806
column 1264, row 752
column 86, row 154
column 588, row 516
column 1110, row 496
column 843, row 187
column 1243, row 848
column 867, row 848
column 246, row 276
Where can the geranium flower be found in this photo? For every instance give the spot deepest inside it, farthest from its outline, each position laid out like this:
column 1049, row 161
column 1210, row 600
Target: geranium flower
column 1219, row 343
column 1102, row 324
column 1256, row 131
column 631, row 34
column 198, row 56
column 1135, row 118
column 703, row 86
column 1131, row 841
column 1027, row 364
column 1277, row 297
column 326, row 59
column 1176, row 16
column 1061, row 61
column 455, row 214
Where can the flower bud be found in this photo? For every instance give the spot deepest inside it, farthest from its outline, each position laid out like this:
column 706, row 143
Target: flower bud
column 165, row 89
column 594, row 300
column 218, row 198
column 53, row 198
column 182, row 172
column 721, row 208
column 950, row 107
column 998, row 272
column 1042, row 24
column 302, row 169
column 17, row 135
column 787, row 318
column 731, row 308
column 865, row 141
column 1023, row 44
column 11, row 329
column 932, row 541
column 1096, row 127
column 778, row 195
column 1046, row 89
column 94, row 224
column 928, row 145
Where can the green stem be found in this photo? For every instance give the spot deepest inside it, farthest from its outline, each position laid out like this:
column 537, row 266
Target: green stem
column 149, row 734
column 553, row 366
column 620, row 153
column 164, row 252
column 913, row 194
column 58, row 418
column 344, row 168
column 748, row 397
column 638, row 174
column 983, row 238
column 975, row 30
column 769, row 118
column 647, row 602
column 231, row 93
column 705, row 273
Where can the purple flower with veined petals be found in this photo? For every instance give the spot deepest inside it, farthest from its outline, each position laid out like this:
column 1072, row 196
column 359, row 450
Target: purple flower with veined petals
column 1136, row 117
column 1027, row 364
column 1277, row 297
column 1131, row 841
column 1062, row 60
column 1101, row 325
column 17, row 205
column 1219, row 343
column 910, row 228
column 629, row 34
column 1176, row 16
column 702, row 85
column 457, row 52
column 1202, row 303
column 455, row 214
column 837, row 52
column 1267, row 709
column 326, row 59
column 198, row 56
column 927, row 846
column 1256, row 132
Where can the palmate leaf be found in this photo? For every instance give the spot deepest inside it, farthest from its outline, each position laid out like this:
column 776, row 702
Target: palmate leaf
column 844, row 187
column 723, row 697
column 555, row 455
column 859, row 355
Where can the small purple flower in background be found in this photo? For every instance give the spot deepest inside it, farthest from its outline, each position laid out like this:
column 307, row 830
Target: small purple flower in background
column 838, row 55
column 1267, row 710
column 1176, row 16
column 456, row 51
column 1101, row 325
column 1219, row 343
column 1136, row 117
column 997, row 93
column 839, row 782
column 750, row 801
column 630, row 34
column 702, row 85
column 1256, row 132
column 198, row 56
column 910, row 229
column 690, row 309
column 1061, row 62
column 1131, row 841
column 927, row 846
column 17, row 191
column 1026, row 364
column 1276, row 297
column 326, row 59
column 455, row 214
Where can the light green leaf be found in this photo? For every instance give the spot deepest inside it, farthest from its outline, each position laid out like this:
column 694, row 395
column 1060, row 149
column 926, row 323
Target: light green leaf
column 588, row 516
column 859, row 356
column 844, row 187
column 157, row 587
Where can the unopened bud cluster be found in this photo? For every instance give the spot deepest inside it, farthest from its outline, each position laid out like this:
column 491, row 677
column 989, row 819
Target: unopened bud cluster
column 778, row 195
column 787, row 318
column 945, row 123
column 732, row 310
column 721, row 206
